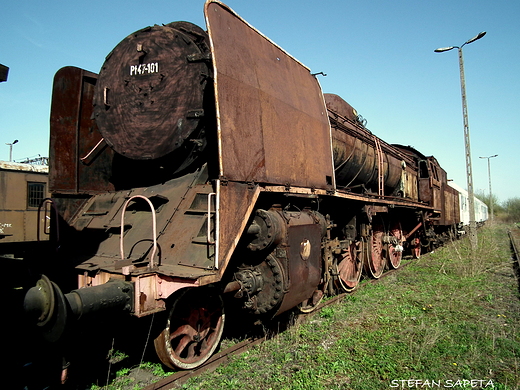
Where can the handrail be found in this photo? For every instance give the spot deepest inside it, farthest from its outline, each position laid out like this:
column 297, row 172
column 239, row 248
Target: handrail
column 380, row 167
column 154, row 223
column 82, row 159
column 216, row 225
column 208, row 230
column 53, row 206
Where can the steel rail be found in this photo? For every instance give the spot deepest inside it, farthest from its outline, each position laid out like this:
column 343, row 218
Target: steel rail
column 514, row 241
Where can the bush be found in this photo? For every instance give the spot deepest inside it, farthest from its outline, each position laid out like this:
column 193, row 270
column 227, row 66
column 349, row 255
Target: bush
column 512, row 210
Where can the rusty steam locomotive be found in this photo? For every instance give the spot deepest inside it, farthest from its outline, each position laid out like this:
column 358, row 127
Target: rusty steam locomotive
column 203, row 167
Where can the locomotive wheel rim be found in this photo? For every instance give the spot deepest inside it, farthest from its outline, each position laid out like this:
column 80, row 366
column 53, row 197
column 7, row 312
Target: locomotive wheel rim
column 376, row 255
column 394, row 256
column 416, row 248
column 311, row 304
column 350, row 267
column 193, row 329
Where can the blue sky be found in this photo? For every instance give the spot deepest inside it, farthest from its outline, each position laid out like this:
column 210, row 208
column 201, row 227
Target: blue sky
column 378, row 56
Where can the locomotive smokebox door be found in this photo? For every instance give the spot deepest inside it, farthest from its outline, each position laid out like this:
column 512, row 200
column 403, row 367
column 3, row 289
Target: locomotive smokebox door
column 149, row 98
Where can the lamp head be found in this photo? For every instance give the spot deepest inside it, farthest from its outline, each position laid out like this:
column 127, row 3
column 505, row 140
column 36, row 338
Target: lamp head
column 480, row 35
column 443, row 49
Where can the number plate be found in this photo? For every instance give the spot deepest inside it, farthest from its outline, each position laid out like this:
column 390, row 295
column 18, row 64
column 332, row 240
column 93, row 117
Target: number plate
column 141, row 69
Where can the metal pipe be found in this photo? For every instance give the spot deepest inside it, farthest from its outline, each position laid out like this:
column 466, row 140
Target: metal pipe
column 407, row 236
column 232, row 286
column 154, row 228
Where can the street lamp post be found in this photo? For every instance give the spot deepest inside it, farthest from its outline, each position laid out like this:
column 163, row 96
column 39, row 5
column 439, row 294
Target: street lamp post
column 11, row 149
column 490, row 192
column 471, row 196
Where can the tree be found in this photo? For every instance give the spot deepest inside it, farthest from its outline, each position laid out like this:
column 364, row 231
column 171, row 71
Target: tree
column 512, row 210
column 484, row 197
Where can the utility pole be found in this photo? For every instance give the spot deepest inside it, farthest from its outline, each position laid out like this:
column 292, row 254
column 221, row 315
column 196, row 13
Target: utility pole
column 490, row 192
column 471, row 195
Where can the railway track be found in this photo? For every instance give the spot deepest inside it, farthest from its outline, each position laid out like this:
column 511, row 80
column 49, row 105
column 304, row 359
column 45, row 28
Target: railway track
column 514, row 237
column 216, row 360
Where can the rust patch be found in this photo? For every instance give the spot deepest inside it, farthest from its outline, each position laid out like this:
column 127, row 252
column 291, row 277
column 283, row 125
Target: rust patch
column 272, row 118
column 74, row 134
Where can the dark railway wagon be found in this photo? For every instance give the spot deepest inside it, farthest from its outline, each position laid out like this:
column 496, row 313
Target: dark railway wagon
column 209, row 172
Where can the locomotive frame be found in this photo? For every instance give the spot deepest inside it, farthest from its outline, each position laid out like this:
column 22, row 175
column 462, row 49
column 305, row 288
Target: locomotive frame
column 209, row 171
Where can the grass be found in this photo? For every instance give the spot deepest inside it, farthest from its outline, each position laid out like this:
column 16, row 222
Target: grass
column 451, row 316
column 134, row 378
column 449, row 319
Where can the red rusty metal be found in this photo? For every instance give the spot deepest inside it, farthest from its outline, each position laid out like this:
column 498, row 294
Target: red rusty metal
column 394, row 245
column 412, row 231
column 451, row 205
column 273, row 125
column 350, row 266
column 376, row 259
column 193, row 329
column 74, row 134
column 236, row 203
column 304, row 263
column 360, row 158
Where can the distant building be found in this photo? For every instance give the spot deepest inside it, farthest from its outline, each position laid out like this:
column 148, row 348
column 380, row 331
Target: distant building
column 22, row 190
